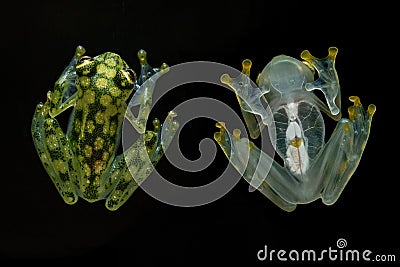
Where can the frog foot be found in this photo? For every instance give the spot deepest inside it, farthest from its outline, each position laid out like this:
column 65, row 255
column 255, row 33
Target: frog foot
column 361, row 118
column 328, row 81
column 249, row 97
column 146, row 71
column 43, row 109
column 223, row 138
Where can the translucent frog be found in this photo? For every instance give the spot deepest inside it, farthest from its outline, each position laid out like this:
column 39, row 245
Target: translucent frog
column 82, row 162
column 312, row 169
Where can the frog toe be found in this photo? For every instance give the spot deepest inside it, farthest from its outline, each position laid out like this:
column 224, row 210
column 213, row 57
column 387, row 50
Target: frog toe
column 358, row 114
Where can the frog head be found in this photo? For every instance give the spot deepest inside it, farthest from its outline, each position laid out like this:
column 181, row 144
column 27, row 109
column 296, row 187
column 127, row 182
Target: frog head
column 107, row 73
column 284, row 74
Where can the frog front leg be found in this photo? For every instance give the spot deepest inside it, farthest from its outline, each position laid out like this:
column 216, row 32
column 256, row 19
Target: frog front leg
column 342, row 154
column 250, row 99
column 144, row 89
column 132, row 167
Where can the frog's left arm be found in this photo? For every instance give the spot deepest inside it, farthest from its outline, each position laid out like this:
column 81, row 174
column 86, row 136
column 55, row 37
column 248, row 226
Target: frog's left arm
column 64, row 92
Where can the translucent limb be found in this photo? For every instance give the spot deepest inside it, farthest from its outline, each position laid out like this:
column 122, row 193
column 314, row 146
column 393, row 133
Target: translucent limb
column 342, row 154
column 131, row 168
column 144, row 92
column 65, row 88
column 249, row 98
column 251, row 163
column 127, row 172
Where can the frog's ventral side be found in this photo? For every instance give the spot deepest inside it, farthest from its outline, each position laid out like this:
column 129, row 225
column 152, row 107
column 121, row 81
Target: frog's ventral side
column 312, row 168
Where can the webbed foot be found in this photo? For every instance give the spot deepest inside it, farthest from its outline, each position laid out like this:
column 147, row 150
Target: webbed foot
column 328, row 81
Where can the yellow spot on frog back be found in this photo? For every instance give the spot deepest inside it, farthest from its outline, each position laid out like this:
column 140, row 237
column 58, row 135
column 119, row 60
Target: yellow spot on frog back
column 88, row 151
column 77, row 125
column 113, row 128
column 86, row 169
column 110, row 73
column 105, row 156
column 98, row 166
column 101, row 68
column 106, row 127
column 88, row 97
column 111, row 62
column 90, row 126
column 105, row 100
column 111, row 110
column 115, row 91
column 96, row 181
column 84, row 82
column 98, row 144
column 99, row 117
column 101, row 82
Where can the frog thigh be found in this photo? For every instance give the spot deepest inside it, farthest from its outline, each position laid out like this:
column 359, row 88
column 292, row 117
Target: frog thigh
column 134, row 161
column 342, row 154
column 252, row 164
column 55, row 153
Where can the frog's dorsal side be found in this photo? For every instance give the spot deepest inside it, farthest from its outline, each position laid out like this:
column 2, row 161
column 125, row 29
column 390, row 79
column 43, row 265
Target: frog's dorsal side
column 104, row 83
column 83, row 162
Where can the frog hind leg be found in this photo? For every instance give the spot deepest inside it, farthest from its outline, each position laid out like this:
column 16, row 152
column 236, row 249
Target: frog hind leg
column 252, row 164
column 342, row 154
column 132, row 167
column 55, row 154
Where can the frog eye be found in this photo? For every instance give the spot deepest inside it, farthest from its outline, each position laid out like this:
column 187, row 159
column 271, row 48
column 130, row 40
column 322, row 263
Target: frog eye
column 126, row 78
column 85, row 66
column 129, row 75
column 84, row 60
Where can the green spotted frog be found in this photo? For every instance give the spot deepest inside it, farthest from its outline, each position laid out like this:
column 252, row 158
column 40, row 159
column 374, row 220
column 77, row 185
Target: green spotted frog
column 83, row 162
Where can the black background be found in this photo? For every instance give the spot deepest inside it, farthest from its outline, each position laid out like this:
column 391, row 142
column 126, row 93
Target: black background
column 39, row 39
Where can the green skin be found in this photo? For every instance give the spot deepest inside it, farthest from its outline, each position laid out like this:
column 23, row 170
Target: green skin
column 83, row 162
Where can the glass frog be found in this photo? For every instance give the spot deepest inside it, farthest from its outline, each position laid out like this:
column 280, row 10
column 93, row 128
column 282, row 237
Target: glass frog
column 82, row 162
column 312, row 169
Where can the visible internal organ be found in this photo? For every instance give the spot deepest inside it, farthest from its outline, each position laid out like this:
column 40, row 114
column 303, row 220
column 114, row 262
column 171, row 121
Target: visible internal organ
column 296, row 154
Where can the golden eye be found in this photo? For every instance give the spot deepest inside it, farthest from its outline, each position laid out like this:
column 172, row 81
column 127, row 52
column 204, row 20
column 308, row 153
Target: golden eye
column 125, row 78
column 130, row 75
column 84, row 60
column 85, row 66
